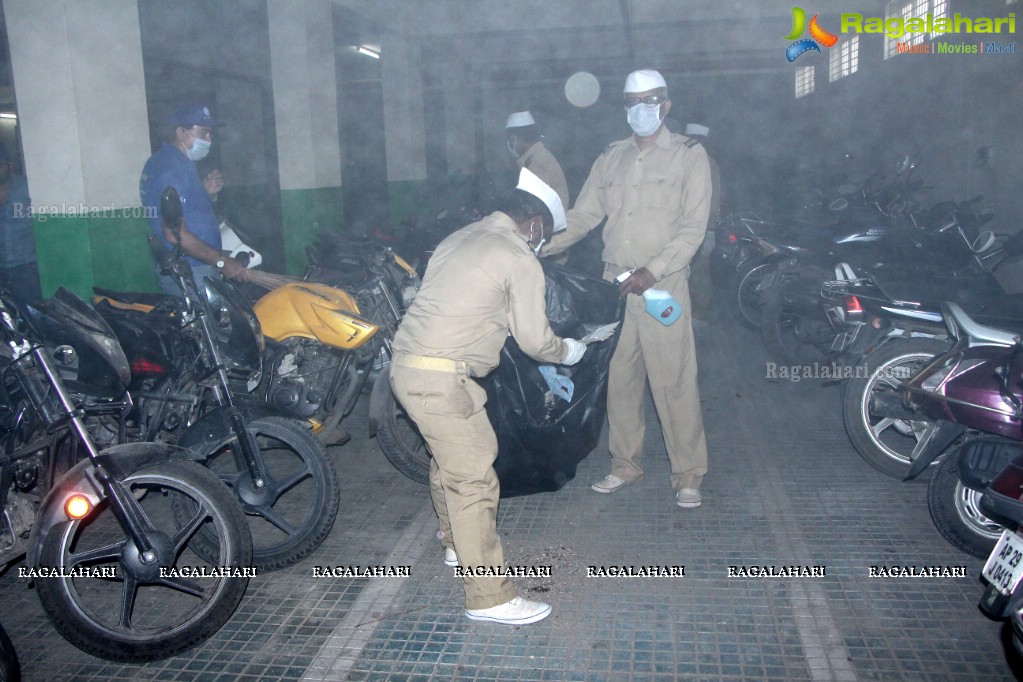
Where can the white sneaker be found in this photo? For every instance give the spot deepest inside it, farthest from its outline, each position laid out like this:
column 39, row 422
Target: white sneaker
column 518, row 611
column 688, row 498
column 609, row 484
column 450, row 557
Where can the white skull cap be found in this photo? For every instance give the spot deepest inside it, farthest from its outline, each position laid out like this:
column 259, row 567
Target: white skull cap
column 643, row 80
column 697, row 129
column 520, row 119
column 529, row 182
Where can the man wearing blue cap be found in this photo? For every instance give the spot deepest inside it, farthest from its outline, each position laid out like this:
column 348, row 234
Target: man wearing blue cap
column 173, row 165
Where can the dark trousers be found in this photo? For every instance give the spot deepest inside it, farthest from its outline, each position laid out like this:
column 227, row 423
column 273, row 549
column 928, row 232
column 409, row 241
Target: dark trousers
column 22, row 281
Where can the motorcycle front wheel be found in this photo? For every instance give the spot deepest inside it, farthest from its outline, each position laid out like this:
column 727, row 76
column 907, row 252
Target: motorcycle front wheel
column 955, row 510
column 886, row 443
column 291, row 513
column 128, row 610
column 397, row 434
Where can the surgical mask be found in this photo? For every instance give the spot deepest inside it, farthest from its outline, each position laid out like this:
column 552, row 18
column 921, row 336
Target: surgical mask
column 200, row 148
column 644, row 119
column 511, row 148
column 543, row 240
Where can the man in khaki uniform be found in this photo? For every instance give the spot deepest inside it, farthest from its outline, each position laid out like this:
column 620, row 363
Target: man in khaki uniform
column 654, row 189
column 482, row 282
column 526, row 145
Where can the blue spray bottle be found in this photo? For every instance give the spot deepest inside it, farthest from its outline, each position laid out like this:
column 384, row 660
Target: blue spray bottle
column 661, row 305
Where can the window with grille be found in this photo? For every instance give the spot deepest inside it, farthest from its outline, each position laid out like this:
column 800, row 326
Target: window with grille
column 804, row 81
column 844, row 58
column 911, row 9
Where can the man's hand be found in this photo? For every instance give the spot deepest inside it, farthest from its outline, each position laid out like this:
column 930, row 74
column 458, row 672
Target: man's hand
column 637, row 283
column 213, row 182
column 233, row 269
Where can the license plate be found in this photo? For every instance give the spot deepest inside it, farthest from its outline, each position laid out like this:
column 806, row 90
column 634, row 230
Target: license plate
column 1004, row 568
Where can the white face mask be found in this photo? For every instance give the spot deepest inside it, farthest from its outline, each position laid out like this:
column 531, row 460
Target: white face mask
column 200, row 148
column 644, row 119
column 511, row 148
column 543, row 240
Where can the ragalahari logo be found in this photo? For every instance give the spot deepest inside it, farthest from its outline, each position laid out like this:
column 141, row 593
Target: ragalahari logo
column 817, row 35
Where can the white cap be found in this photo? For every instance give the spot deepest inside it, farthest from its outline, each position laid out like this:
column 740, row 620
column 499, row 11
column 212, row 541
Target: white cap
column 697, row 129
column 529, row 182
column 643, row 80
column 520, row 119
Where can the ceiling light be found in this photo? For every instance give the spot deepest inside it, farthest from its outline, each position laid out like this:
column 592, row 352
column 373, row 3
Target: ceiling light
column 8, row 114
column 369, row 52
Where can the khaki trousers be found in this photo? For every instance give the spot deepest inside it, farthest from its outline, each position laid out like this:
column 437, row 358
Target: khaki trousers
column 447, row 406
column 664, row 357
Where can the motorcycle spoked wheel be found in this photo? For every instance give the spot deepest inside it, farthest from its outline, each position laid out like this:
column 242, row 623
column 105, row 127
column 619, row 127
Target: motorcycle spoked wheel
column 885, row 443
column 139, row 615
column 10, row 669
column 749, row 298
column 955, row 510
column 794, row 325
column 293, row 515
column 397, row 434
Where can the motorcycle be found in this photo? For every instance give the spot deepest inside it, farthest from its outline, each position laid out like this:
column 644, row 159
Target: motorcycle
column 968, row 394
column 193, row 360
column 1003, row 570
column 137, row 552
column 802, row 320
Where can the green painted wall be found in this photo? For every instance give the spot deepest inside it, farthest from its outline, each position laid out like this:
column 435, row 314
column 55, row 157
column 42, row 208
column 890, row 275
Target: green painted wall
column 304, row 213
column 106, row 249
column 406, row 198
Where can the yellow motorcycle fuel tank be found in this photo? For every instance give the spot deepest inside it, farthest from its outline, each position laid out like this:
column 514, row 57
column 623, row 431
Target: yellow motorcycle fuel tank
column 313, row 311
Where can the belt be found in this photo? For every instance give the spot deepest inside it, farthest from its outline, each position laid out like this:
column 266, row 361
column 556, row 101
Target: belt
column 436, row 364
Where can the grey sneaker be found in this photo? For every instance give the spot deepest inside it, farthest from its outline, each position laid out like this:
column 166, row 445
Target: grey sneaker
column 450, row 558
column 518, row 611
column 688, row 498
column 609, row 484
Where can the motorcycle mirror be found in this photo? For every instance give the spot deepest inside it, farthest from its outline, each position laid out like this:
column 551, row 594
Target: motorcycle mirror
column 170, row 210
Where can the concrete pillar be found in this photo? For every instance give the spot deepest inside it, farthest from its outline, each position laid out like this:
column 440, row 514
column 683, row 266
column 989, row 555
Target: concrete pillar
column 305, row 112
column 403, row 123
column 81, row 102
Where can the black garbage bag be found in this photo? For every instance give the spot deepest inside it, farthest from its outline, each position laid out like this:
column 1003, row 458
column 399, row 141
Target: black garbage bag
column 541, row 436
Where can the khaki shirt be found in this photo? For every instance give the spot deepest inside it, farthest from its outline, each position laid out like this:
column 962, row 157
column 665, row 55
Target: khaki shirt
column 540, row 161
column 656, row 200
column 482, row 282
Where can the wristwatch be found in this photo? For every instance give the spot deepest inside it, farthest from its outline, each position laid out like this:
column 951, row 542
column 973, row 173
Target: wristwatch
column 221, row 263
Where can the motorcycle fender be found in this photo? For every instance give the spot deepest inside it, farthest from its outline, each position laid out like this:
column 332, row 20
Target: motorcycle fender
column 119, row 461
column 939, row 442
column 215, row 425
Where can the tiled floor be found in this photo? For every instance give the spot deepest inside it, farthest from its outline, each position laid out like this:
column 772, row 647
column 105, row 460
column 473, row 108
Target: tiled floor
column 785, row 488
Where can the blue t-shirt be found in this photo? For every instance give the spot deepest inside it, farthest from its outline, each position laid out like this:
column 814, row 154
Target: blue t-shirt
column 168, row 167
column 17, row 238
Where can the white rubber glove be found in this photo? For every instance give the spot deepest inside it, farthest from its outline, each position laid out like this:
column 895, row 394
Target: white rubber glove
column 574, row 351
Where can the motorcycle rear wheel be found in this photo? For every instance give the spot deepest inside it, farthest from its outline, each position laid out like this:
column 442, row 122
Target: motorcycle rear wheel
column 955, row 510
column 133, row 617
column 885, row 443
column 749, row 298
column 397, row 434
column 793, row 324
column 292, row 518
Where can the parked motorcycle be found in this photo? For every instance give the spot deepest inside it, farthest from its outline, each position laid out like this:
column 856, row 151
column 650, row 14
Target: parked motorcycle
column 193, row 360
column 1003, row 570
column 136, row 551
column 801, row 316
column 968, row 394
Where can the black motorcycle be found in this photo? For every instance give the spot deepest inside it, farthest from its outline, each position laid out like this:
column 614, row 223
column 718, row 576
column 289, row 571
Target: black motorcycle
column 193, row 360
column 136, row 551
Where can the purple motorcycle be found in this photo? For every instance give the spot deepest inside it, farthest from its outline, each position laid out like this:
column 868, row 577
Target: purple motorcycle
column 969, row 395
